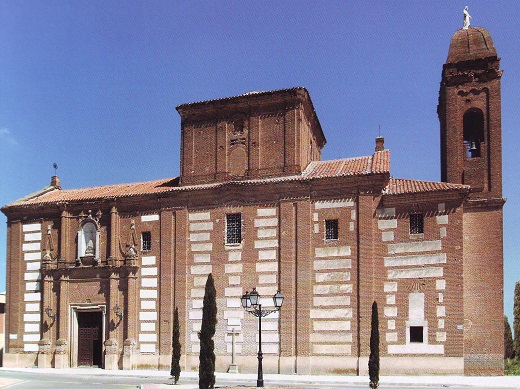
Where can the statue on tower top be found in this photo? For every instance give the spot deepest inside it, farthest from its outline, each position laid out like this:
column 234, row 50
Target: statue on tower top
column 467, row 17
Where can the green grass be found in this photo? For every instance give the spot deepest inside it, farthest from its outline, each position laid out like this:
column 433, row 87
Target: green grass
column 511, row 367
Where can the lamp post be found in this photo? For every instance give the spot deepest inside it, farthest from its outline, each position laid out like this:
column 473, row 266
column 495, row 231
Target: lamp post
column 251, row 303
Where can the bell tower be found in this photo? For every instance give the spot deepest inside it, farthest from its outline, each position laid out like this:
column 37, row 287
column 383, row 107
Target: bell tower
column 470, row 114
column 471, row 153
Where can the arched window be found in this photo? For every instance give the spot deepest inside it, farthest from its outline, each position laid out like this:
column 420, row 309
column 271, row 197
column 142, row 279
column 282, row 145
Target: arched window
column 473, row 124
column 88, row 240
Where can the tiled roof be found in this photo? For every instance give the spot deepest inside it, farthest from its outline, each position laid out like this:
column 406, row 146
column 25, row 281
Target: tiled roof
column 397, row 186
column 98, row 192
column 253, row 93
column 377, row 164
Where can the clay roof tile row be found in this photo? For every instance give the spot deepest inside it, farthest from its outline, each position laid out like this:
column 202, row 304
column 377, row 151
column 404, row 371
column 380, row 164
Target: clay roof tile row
column 379, row 163
column 397, row 186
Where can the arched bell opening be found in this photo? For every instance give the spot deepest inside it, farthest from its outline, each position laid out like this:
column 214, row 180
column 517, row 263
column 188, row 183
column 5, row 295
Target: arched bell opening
column 473, row 125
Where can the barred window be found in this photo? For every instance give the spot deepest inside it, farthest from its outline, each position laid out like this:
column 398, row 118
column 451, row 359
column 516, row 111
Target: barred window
column 416, row 223
column 146, row 241
column 233, row 228
column 331, row 229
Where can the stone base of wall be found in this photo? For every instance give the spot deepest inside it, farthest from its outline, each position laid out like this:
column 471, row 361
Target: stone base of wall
column 325, row 365
column 245, row 364
column 20, row 360
column 416, row 365
column 483, row 364
column 147, row 362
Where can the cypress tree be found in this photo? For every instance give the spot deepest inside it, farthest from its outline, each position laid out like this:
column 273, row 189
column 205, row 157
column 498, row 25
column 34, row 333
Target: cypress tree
column 175, row 371
column 516, row 321
column 207, row 345
column 373, row 360
column 509, row 352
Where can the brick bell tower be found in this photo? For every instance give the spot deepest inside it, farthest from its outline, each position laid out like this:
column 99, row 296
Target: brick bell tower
column 470, row 114
column 471, row 153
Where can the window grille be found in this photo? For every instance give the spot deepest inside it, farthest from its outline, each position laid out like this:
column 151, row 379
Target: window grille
column 416, row 223
column 146, row 241
column 331, row 229
column 234, row 228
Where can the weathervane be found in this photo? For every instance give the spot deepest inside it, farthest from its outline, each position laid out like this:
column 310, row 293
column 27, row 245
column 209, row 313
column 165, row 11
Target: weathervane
column 55, row 166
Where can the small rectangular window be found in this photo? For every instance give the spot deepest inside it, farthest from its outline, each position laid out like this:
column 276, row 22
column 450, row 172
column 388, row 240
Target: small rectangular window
column 416, row 223
column 416, row 334
column 146, row 241
column 331, row 229
column 234, row 228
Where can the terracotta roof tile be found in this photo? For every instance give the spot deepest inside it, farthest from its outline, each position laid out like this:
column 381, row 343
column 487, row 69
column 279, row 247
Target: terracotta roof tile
column 99, row 192
column 381, row 162
column 253, row 93
column 397, row 186
column 377, row 164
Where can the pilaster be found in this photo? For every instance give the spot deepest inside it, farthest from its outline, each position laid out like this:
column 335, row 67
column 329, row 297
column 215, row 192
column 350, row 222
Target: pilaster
column 288, row 254
column 166, row 272
column 114, row 236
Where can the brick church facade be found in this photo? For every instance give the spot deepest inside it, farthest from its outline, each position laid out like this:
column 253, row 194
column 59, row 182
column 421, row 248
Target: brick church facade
column 94, row 275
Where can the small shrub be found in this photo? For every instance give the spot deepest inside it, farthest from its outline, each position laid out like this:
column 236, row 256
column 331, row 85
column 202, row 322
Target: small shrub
column 511, row 367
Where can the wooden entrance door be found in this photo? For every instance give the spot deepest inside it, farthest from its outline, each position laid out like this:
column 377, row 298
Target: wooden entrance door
column 89, row 339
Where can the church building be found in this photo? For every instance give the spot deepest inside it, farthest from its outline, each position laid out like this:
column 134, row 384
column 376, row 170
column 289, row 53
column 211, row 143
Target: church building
column 94, row 274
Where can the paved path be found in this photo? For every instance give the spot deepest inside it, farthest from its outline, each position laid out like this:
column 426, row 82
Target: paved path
column 189, row 379
column 5, row 383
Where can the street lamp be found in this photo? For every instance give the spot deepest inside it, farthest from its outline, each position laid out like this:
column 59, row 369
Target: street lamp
column 251, row 303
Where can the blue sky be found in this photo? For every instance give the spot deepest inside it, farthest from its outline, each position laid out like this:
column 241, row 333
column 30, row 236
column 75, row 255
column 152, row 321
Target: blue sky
column 93, row 85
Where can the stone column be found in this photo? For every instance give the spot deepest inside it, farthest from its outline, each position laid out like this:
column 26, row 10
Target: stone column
column 44, row 354
column 64, row 239
column 111, row 354
column 44, row 346
column 62, row 354
column 131, row 319
column 128, row 354
column 114, row 237
column 111, row 344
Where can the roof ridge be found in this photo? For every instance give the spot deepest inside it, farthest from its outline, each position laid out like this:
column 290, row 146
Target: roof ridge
column 252, row 93
column 33, row 195
column 398, row 186
column 121, row 184
column 429, row 181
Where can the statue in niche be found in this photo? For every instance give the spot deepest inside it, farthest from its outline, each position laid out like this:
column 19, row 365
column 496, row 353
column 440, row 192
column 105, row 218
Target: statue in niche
column 238, row 125
column 467, row 18
column 89, row 251
column 88, row 236
column 130, row 251
column 49, row 248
